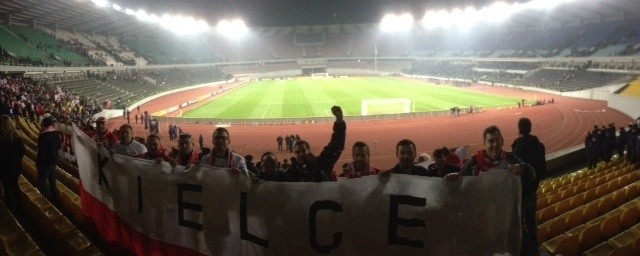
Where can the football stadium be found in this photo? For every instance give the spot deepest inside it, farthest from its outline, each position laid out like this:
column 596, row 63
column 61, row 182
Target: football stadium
column 430, row 127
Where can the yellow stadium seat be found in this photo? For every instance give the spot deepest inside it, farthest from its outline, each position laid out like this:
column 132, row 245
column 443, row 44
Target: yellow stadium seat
column 625, row 237
column 589, row 237
column 557, row 227
column 590, row 195
column 610, row 227
column 542, row 202
column 543, row 231
column 562, row 207
column 618, row 198
column 635, row 246
column 557, row 197
column 563, row 244
column 546, row 214
column 573, row 219
column 576, row 201
column 629, row 217
column 601, row 191
column 624, row 250
column 600, row 249
column 590, row 212
column 605, row 205
column 631, row 192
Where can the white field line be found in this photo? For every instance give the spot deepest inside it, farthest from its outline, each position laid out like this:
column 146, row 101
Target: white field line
column 265, row 110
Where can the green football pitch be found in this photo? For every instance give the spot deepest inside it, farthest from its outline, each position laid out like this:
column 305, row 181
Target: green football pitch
column 306, row 97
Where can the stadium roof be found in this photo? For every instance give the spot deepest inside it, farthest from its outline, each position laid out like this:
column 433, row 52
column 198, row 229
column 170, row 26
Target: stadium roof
column 84, row 16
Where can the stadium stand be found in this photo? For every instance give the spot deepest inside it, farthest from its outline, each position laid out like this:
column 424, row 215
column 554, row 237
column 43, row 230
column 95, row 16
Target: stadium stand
column 633, row 89
column 49, row 45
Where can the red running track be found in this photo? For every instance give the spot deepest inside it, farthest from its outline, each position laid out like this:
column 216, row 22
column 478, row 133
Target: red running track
column 560, row 125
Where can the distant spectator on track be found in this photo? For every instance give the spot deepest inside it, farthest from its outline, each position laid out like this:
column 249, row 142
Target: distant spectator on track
column 620, row 141
column 201, row 142
column 222, row 156
column 361, row 163
column 279, row 140
column 306, row 167
column 128, row 146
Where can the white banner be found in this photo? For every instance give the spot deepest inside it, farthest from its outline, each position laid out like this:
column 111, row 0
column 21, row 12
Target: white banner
column 214, row 212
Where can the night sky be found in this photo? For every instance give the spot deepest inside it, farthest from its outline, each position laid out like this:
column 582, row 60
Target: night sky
column 296, row 12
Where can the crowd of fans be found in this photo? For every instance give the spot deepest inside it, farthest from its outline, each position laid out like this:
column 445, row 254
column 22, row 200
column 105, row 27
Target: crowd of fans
column 26, row 98
column 602, row 143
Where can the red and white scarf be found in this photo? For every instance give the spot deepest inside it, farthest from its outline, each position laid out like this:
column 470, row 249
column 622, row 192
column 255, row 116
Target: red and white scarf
column 351, row 171
column 228, row 154
column 484, row 162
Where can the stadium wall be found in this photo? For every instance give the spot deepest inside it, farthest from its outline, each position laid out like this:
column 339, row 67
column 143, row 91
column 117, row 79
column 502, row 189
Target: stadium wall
column 629, row 105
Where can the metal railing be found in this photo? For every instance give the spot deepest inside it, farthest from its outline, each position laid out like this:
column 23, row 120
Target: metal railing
column 311, row 120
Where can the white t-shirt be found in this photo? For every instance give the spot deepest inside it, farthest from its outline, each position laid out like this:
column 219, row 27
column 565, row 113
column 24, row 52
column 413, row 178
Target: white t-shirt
column 133, row 149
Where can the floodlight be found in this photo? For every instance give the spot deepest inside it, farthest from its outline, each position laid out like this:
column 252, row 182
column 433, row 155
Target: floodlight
column 116, row 7
column 464, row 19
column 497, row 12
column 235, row 29
column 433, row 19
column 142, row 15
column 396, row 23
column 129, row 12
column 545, row 4
column 100, row 3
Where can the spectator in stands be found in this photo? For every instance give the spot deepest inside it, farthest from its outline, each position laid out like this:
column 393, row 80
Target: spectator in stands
column 222, row 156
column 269, row 170
column 529, row 148
column 592, row 154
column 306, row 167
column 463, row 153
column 285, row 164
column 250, row 165
column 155, row 151
column 128, row 146
column 609, row 142
column 632, row 143
column 186, row 155
column 491, row 159
column 102, row 135
column 49, row 142
column 424, row 160
column 620, row 141
column 441, row 167
column 12, row 151
column 451, row 158
column 361, row 163
column 406, row 154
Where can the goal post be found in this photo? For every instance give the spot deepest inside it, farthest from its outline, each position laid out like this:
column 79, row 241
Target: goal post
column 320, row 75
column 385, row 106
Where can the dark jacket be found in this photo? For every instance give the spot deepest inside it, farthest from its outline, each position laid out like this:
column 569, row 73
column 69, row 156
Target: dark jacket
column 531, row 151
column 11, row 160
column 320, row 168
column 415, row 170
column 433, row 170
column 48, row 146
